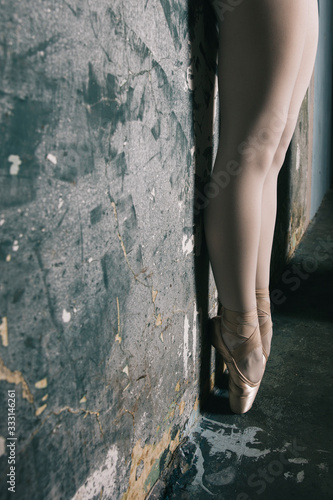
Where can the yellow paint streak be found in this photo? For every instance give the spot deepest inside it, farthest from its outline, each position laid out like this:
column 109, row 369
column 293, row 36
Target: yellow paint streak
column 44, row 398
column 17, row 378
column 83, row 400
column 154, row 294
column 181, row 407
column 4, row 331
column 158, row 320
column 196, row 404
column 56, row 413
column 40, row 410
column 177, row 388
column 137, row 489
column 41, row 384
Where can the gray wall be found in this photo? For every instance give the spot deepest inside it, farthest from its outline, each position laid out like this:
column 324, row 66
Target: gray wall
column 101, row 254
column 322, row 139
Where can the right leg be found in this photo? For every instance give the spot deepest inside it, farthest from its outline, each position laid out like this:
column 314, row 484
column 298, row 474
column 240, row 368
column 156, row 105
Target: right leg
column 269, row 191
column 268, row 211
column 261, row 45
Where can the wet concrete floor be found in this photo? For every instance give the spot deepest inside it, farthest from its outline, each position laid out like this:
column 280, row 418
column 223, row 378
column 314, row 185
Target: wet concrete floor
column 282, row 448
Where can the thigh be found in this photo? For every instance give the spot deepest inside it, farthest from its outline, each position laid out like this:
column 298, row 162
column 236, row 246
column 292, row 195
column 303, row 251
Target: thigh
column 261, row 43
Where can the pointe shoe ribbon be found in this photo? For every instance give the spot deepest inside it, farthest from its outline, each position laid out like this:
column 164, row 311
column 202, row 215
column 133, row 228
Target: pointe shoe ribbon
column 264, row 313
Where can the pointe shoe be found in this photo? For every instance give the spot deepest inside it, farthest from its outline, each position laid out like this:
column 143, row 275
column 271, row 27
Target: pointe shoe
column 265, row 320
column 242, row 391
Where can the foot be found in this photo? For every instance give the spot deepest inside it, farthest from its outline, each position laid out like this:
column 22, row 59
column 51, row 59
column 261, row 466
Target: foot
column 236, row 330
column 237, row 339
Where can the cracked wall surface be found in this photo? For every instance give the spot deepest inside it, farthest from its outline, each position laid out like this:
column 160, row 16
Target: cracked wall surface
column 100, row 329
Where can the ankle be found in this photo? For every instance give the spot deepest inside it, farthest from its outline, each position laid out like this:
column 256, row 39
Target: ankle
column 237, row 327
column 240, row 323
column 263, row 304
column 262, row 294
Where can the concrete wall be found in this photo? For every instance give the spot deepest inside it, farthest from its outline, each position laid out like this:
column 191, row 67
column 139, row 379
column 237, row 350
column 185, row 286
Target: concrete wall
column 101, row 255
column 322, row 141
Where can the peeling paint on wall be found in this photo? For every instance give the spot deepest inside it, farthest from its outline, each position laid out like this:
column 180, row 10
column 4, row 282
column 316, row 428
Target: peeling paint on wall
column 16, row 378
column 188, row 244
column 96, row 246
column 52, row 158
column 186, row 346
column 102, row 482
column 40, row 410
column 149, row 456
column 4, row 331
column 15, row 164
column 41, row 384
column 66, row 316
column 194, row 343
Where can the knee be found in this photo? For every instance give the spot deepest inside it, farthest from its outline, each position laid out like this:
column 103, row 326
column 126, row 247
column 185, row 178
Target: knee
column 268, row 146
column 259, row 155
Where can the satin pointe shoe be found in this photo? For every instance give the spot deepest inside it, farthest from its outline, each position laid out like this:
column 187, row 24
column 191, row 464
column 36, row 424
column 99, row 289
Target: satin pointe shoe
column 265, row 320
column 246, row 356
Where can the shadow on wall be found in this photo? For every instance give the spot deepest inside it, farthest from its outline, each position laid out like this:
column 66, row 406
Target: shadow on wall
column 203, row 38
column 279, row 258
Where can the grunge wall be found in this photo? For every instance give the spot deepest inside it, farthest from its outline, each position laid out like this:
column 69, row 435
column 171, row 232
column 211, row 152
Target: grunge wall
column 100, row 252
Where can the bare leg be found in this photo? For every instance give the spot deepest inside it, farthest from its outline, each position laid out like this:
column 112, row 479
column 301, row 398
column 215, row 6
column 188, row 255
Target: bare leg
column 260, row 57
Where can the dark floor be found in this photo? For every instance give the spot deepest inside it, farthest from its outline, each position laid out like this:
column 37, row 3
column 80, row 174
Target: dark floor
column 282, row 448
